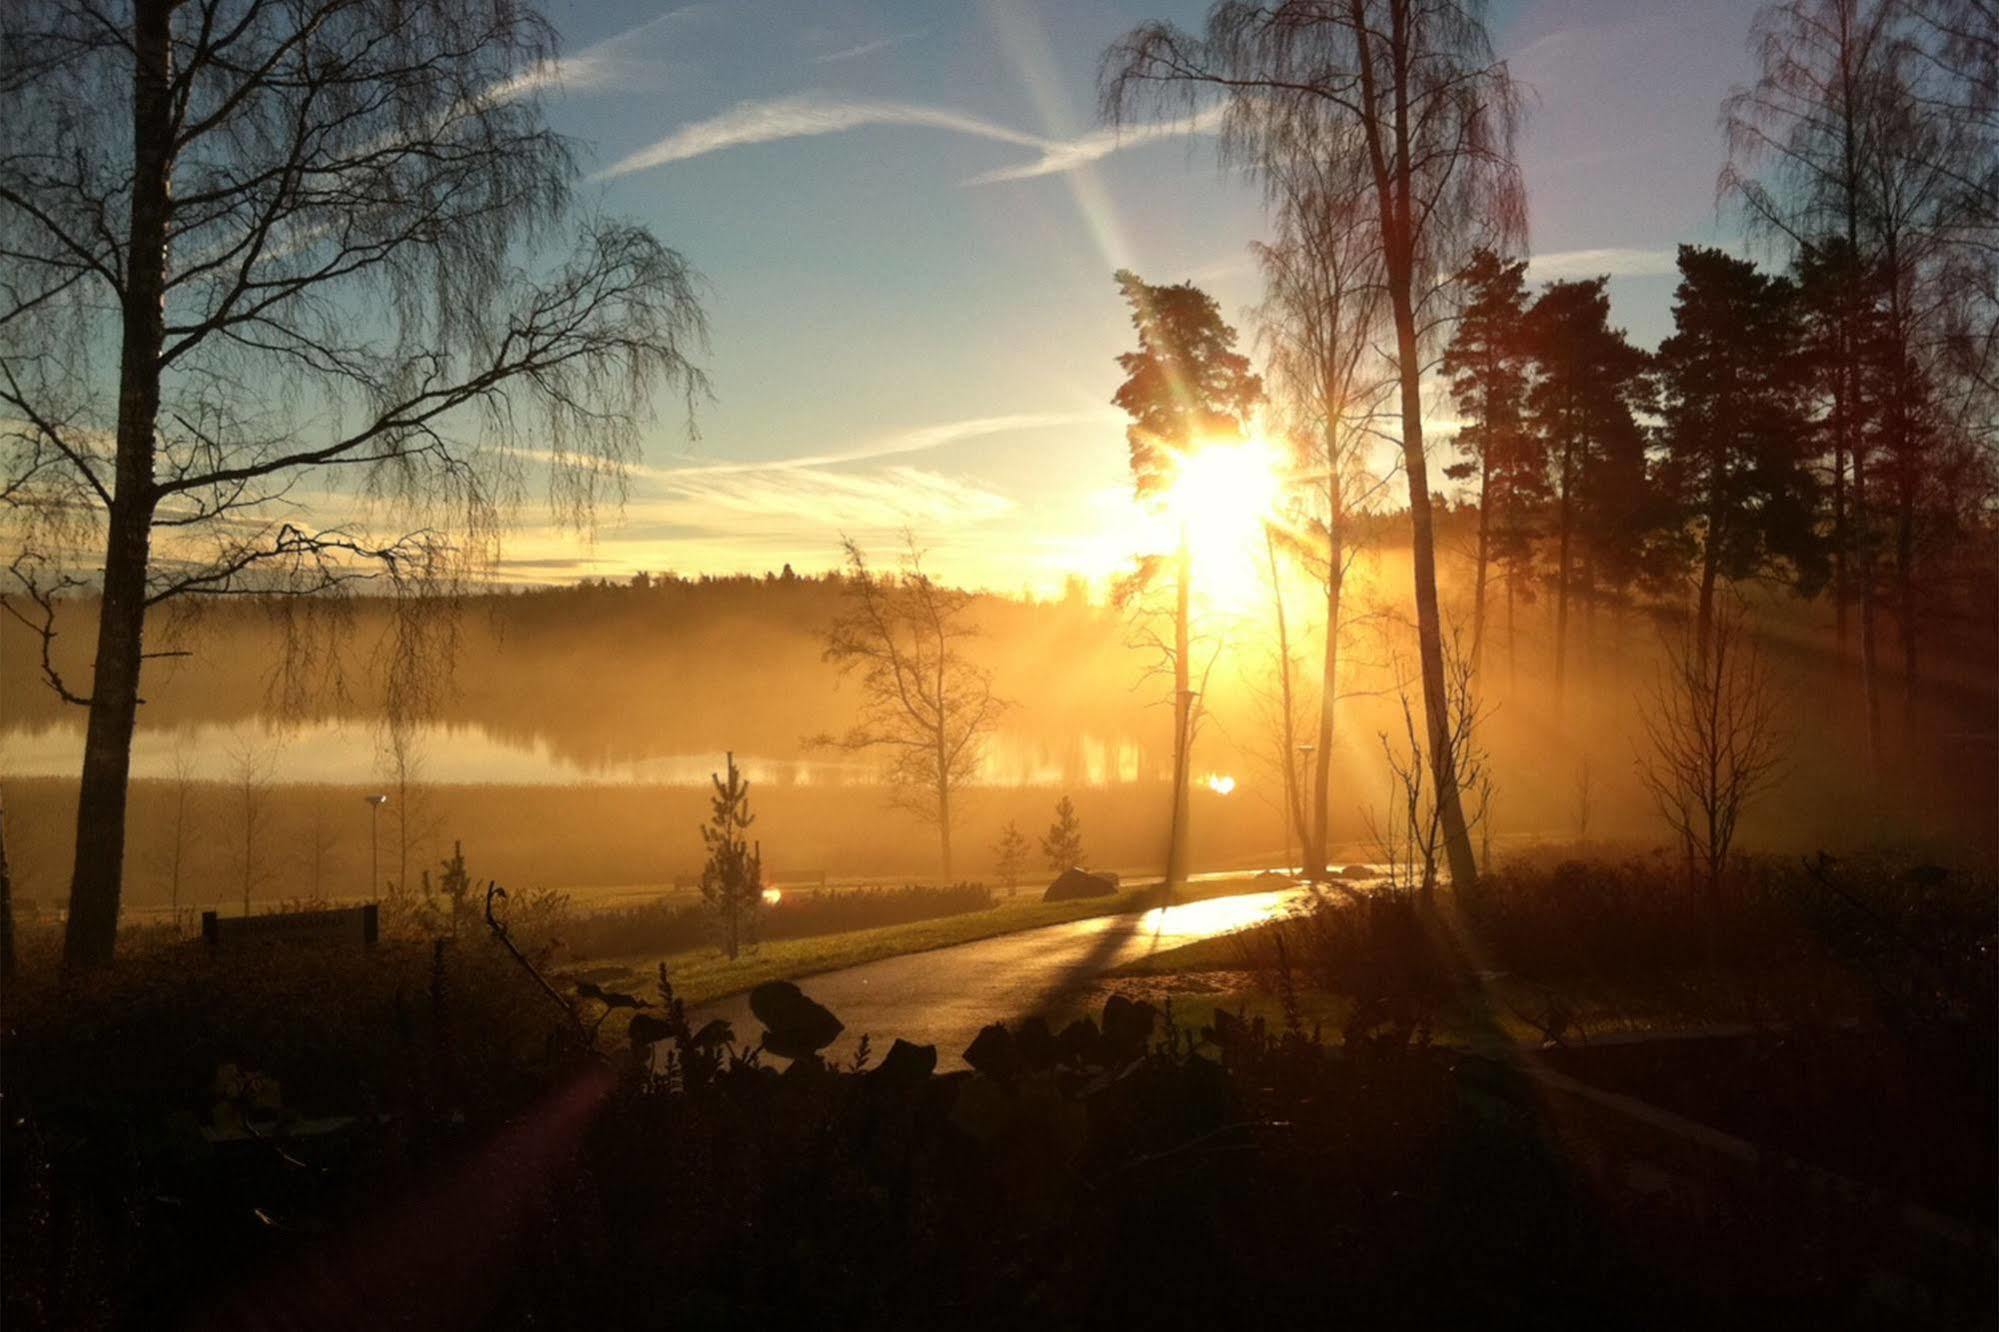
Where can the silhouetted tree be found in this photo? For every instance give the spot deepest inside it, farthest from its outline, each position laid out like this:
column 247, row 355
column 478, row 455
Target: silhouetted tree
column 1487, row 366
column 1714, row 746
column 732, row 880
column 182, row 788
column 252, row 769
column 255, row 245
column 1185, row 384
column 1869, row 149
column 1580, row 408
column 1414, row 810
column 1322, row 316
column 1736, row 450
column 1010, row 855
column 1409, row 88
column 925, row 704
column 1062, row 844
column 1835, row 316
column 449, row 903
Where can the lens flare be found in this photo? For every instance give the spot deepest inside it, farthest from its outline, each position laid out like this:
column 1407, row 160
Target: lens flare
column 1220, row 783
column 1223, row 496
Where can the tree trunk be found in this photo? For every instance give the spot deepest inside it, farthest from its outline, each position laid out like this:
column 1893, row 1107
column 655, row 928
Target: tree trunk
column 1565, row 529
column 1840, row 592
column 96, row 881
column 1870, row 665
column 1711, row 548
column 1484, row 550
column 1586, row 594
column 1429, row 623
column 1294, row 804
column 1512, row 657
column 1907, row 621
column 944, row 826
column 1704, row 607
column 1183, row 700
column 1321, row 847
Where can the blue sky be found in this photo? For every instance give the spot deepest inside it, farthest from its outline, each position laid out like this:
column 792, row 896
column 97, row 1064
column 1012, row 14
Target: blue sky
column 907, row 217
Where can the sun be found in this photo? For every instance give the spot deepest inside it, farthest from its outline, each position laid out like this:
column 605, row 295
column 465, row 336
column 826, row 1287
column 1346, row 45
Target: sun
column 1223, row 496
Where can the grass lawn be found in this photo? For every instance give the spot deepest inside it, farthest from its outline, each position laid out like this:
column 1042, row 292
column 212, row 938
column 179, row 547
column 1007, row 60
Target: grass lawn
column 704, row 974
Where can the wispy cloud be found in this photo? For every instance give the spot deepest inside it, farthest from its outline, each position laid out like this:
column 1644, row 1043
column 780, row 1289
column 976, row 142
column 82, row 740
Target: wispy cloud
column 1061, row 155
column 868, row 48
column 599, row 67
column 801, row 116
column 1595, row 263
column 805, row 115
column 773, row 502
column 916, row 439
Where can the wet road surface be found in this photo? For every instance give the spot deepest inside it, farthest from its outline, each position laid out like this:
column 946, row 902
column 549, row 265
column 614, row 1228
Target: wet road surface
column 943, row 997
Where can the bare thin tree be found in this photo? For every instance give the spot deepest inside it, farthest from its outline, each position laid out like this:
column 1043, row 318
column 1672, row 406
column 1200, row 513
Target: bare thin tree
column 1412, row 844
column 320, row 842
column 926, row 705
column 402, row 762
column 1713, row 743
column 1322, row 318
column 258, row 250
column 252, row 769
column 1411, row 88
column 1867, row 150
column 181, row 786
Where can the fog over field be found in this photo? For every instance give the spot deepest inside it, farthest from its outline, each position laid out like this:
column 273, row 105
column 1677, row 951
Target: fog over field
column 568, row 738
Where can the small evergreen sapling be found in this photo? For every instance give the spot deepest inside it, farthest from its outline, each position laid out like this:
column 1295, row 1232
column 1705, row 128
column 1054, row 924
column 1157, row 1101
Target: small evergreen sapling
column 1062, row 847
column 1010, row 856
column 732, row 880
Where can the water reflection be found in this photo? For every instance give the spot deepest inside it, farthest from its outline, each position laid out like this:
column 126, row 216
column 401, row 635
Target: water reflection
column 346, row 753
column 1217, row 915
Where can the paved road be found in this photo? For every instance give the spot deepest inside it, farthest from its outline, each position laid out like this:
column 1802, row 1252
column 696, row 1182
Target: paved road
column 944, row 996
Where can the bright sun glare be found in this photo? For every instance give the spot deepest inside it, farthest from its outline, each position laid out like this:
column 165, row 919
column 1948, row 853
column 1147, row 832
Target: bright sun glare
column 1224, row 494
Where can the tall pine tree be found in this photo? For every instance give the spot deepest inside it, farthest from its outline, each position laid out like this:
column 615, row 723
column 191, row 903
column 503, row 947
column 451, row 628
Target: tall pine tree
column 1737, row 462
column 1582, row 410
column 1487, row 367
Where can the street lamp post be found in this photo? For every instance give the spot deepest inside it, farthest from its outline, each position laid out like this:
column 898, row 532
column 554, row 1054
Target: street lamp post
column 375, row 803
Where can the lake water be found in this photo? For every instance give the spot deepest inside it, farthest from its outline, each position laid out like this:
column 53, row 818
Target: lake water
column 346, row 753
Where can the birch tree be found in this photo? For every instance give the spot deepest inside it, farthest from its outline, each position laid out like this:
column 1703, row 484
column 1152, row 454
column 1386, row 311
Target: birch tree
column 285, row 306
column 1413, row 87
column 926, row 706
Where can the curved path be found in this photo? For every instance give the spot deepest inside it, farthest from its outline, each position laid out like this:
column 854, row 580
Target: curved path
column 944, row 996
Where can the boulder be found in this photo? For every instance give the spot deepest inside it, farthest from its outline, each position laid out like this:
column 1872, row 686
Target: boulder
column 1073, row 883
column 794, row 1026
column 992, row 1053
column 1080, row 1042
column 1127, row 1027
column 646, row 1029
column 1358, row 872
column 906, row 1065
column 715, row 1031
column 1036, row 1044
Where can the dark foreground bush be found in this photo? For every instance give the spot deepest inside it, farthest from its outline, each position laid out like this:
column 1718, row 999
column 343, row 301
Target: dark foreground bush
column 420, row 1139
column 1915, row 946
